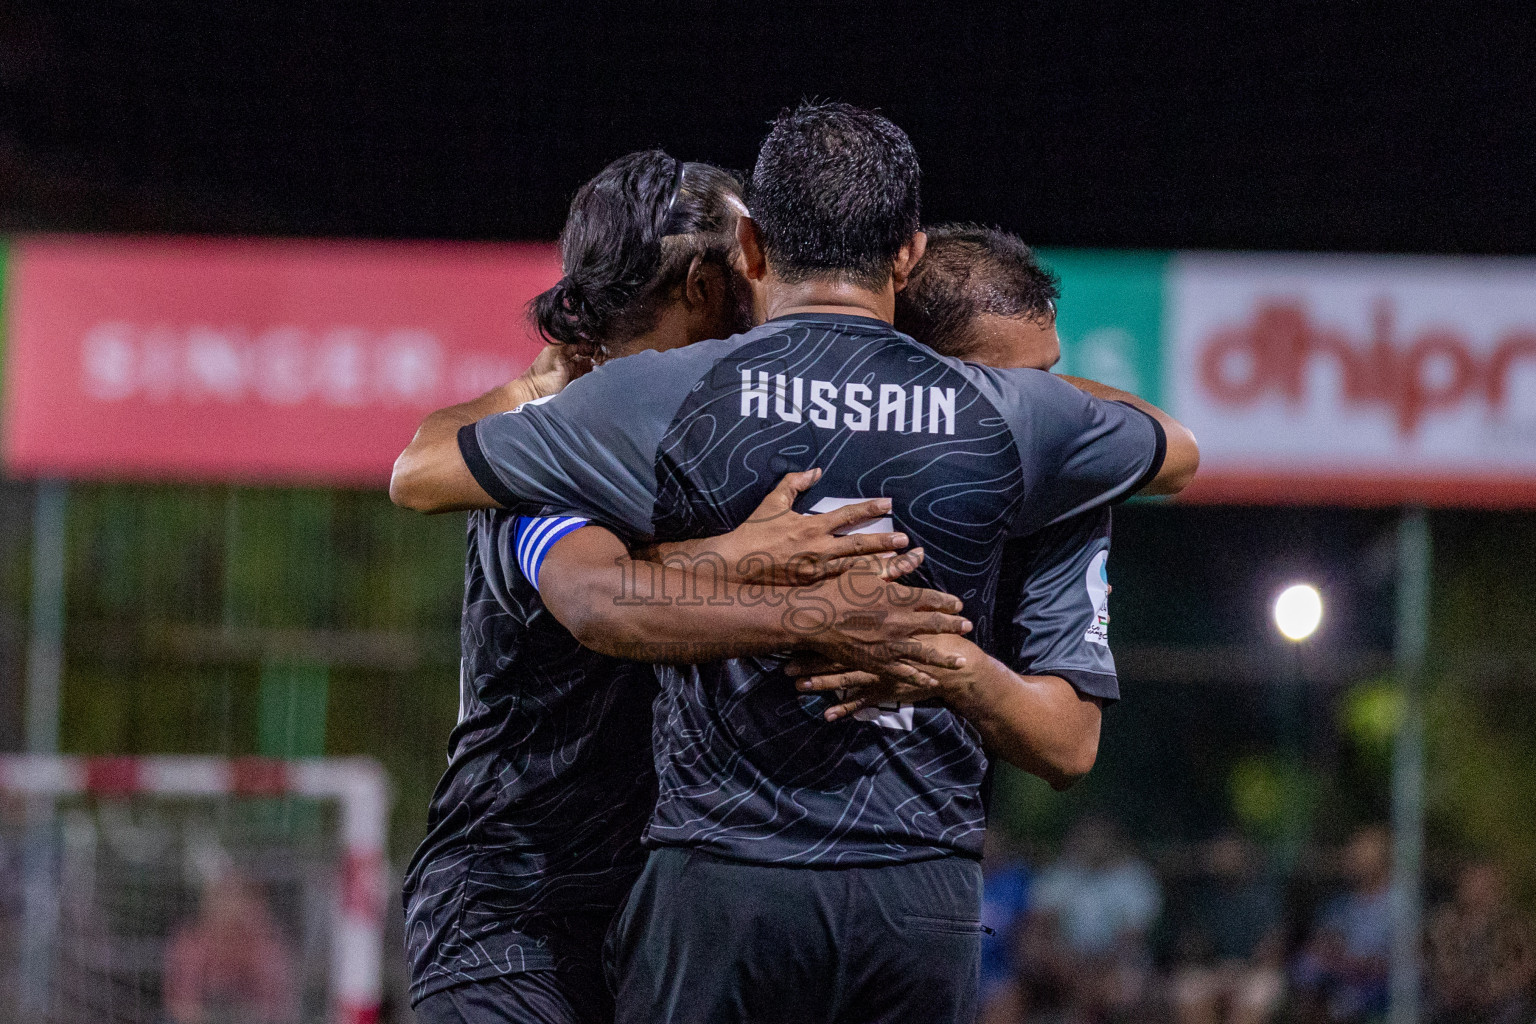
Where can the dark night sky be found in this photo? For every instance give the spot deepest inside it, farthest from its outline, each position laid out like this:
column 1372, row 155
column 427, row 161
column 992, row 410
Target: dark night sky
column 1302, row 126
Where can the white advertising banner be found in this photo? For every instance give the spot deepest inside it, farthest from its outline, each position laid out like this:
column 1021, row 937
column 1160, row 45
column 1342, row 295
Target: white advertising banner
column 1355, row 378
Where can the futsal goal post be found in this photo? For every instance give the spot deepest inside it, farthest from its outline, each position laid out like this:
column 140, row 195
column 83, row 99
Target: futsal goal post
column 136, row 889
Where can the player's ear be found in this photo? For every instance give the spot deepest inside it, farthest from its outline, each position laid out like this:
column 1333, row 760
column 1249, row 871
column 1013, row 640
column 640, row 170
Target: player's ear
column 906, row 258
column 753, row 264
column 703, row 286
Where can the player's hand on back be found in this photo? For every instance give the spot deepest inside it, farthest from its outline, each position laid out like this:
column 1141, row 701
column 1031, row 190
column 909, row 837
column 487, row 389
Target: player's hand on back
column 852, row 691
column 855, row 689
column 895, row 633
column 778, row 546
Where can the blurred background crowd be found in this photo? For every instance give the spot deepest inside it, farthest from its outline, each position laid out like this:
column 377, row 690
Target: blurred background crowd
column 1221, row 932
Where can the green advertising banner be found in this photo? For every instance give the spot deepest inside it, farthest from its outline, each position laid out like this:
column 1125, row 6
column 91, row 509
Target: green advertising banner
column 1110, row 317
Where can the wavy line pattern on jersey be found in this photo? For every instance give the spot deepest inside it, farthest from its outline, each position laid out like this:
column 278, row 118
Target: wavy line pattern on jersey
column 534, row 830
column 746, row 765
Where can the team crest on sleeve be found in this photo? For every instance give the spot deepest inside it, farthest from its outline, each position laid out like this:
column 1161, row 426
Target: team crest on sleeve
column 1097, row 580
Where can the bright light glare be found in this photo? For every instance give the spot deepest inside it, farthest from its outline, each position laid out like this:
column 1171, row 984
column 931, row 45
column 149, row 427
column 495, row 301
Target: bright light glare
column 1298, row 610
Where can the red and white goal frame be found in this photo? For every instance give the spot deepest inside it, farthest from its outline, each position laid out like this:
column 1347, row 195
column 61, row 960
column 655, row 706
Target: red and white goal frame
column 357, row 785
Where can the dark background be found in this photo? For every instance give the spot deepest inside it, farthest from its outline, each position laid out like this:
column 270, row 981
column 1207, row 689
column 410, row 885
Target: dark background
column 1299, row 126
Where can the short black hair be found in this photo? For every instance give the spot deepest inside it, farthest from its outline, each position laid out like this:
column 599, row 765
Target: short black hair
column 835, row 193
column 630, row 236
column 969, row 269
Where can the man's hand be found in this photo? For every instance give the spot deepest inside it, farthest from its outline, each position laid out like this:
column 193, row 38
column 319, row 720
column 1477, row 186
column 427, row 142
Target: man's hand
column 591, row 584
column 894, row 633
column 1039, row 723
column 778, row 546
column 555, row 367
column 856, row 690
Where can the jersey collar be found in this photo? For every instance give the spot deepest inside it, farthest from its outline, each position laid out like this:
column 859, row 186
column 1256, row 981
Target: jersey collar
column 833, row 318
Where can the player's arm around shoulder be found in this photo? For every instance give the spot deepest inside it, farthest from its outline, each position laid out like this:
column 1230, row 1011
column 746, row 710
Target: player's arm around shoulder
column 692, row 612
column 431, row 474
column 592, row 447
column 1181, row 458
column 1092, row 443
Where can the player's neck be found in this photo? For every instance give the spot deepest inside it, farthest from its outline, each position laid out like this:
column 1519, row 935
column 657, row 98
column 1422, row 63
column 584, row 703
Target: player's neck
column 826, row 296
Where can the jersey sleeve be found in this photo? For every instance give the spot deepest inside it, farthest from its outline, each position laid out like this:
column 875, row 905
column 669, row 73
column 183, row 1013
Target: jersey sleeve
column 1055, row 597
column 589, row 451
column 1080, row 452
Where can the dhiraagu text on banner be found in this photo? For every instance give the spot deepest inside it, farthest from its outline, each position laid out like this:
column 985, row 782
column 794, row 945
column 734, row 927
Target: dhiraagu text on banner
column 1356, row 379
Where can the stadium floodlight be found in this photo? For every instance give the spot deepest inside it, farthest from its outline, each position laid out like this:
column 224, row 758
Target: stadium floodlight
column 1298, row 611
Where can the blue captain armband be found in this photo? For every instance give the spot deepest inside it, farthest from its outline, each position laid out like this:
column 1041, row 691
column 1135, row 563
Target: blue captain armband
column 534, row 536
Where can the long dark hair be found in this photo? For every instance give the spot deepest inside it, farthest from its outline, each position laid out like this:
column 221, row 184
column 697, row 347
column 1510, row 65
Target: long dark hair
column 632, row 232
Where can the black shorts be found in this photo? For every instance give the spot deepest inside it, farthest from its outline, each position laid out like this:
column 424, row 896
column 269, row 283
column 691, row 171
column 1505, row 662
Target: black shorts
column 709, row 941
column 556, row 996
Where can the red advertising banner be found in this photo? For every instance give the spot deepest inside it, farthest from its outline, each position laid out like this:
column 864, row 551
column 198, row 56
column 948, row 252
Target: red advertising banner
column 248, row 360
column 1361, row 380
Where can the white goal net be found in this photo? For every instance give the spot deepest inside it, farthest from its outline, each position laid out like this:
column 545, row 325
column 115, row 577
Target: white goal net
column 166, row 889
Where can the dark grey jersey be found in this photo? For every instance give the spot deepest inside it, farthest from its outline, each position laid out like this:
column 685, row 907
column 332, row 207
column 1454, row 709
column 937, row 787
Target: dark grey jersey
column 1052, row 613
column 686, row 443
column 534, row 830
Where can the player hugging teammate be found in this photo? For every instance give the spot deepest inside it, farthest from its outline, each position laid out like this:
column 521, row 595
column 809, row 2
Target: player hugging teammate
column 746, row 747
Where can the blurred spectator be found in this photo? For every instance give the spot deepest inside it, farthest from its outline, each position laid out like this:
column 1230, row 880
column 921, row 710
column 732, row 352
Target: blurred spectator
column 1341, row 974
column 1232, row 946
column 1084, row 951
column 1004, row 904
column 229, row 965
column 1480, row 957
